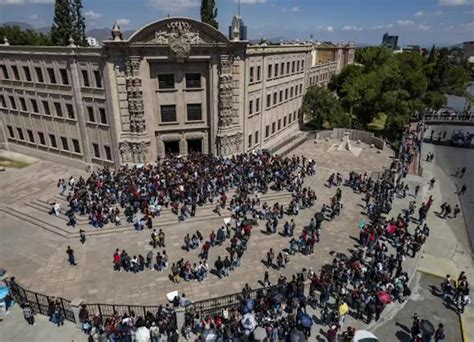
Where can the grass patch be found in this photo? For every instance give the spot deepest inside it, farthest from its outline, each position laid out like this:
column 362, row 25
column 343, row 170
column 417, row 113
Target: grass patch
column 378, row 123
column 17, row 164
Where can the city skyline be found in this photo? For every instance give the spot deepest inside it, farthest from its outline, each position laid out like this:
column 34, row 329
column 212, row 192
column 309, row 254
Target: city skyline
column 415, row 22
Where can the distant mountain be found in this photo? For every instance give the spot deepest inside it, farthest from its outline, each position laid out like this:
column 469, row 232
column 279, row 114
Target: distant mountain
column 24, row 26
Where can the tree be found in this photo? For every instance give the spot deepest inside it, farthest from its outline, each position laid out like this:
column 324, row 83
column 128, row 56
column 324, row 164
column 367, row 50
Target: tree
column 18, row 36
column 78, row 23
column 456, row 81
column 432, row 55
column 62, row 28
column 209, row 13
column 324, row 109
column 434, row 100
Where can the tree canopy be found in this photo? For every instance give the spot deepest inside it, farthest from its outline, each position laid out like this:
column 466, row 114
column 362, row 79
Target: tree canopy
column 209, row 13
column 68, row 23
column 17, row 36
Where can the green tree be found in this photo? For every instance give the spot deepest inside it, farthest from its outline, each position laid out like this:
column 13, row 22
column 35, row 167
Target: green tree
column 78, row 23
column 373, row 57
column 432, row 55
column 434, row 100
column 62, row 28
column 17, row 36
column 323, row 109
column 209, row 13
column 456, row 81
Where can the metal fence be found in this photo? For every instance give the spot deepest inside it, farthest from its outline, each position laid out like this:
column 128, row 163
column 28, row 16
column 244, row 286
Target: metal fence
column 38, row 302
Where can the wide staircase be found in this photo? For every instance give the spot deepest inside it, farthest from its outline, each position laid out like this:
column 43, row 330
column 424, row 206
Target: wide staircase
column 36, row 213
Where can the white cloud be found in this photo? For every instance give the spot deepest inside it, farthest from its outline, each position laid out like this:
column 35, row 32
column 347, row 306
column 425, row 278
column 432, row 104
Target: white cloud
column 175, row 5
column 295, row 9
column 405, row 22
column 419, row 14
column 123, row 21
column 422, row 27
column 351, row 28
column 330, row 29
column 428, row 14
column 92, row 15
column 22, row 2
column 382, row 27
column 455, row 2
column 250, row 1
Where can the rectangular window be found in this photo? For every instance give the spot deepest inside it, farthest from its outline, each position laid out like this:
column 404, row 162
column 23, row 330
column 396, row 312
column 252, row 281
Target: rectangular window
column 16, row 74
column 250, row 107
column 302, row 65
column 52, row 76
column 96, row 150
column 286, row 94
column 257, row 105
column 4, row 70
column 26, row 70
column 75, row 146
column 3, row 102
column 267, row 131
column 281, row 95
column 276, row 70
column 39, row 75
column 70, row 110
column 85, row 78
column 275, row 98
column 103, row 116
column 166, row 81
column 41, row 138
column 294, row 116
column 282, row 68
column 259, row 71
column 269, row 100
column 193, row 80
column 279, row 124
column 46, row 107
column 291, row 92
column 168, row 113
column 23, row 104
column 31, row 137
column 108, row 153
column 98, row 79
column 64, row 76
column 57, row 107
column 251, row 74
column 52, row 140
column 289, row 118
column 12, row 102
column 10, row 132
column 273, row 127
column 301, row 89
column 292, row 67
column 90, row 112
column 297, row 66
column 256, row 137
column 34, row 105
column 284, row 121
column 64, row 143
column 250, row 140
column 287, row 67
column 269, row 71
column 20, row 134
column 194, row 112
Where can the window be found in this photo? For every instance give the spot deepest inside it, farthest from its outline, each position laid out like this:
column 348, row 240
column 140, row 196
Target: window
column 257, row 105
column 269, row 71
column 70, row 110
column 12, row 102
column 26, row 70
column 275, row 98
column 64, row 143
column 193, row 81
column 20, row 133
column 281, row 95
column 46, row 107
column 52, row 140
column 3, row 102
column 276, row 70
column 296, row 90
column 294, row 116
column 103, row 116
column 108, row 153
column 39, row 75
column 16, row 74
column 166, row 81
column 293, row 67
column 273, row 127
column 64, row 76
column 96, row 150
column 259, row 71
column 98, row 79
column 52, row 76
column 286, row 94
column 57, row 107
column 4, row 70
column 297, row 66
column 41, row 138
column 291, row 92
column 250, row 140
column 287, row 67
column 251, row 74
column 267, row 131
column 168, row 113
column 269, row 100
column 279, row 124
column 289, row 118
column 85, row 78
column 282, row 68
column 31, row 137
column 34, row 105
column 256, row 137
column 284, row 121
column 10, row 132
column 23, row 104
column 250, row 107
column 75, row 146
column 302, row 65
column 301, row 89
column 194, row 112
column 90, row 111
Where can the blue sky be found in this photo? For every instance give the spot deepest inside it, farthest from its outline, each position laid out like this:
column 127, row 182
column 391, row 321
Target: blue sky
column 363, row 21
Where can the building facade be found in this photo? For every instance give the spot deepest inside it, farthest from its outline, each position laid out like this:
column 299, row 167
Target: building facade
column 175, row 86
column 390, row 42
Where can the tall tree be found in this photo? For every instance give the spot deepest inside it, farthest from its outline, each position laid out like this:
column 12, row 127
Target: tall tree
column 324, row 109
column 78, row 23
column 62, row 28
column 209, row 13
column 432, row 56
column 17, row 36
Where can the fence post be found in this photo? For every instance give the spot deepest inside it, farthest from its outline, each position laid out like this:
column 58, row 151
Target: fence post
column 76, row 307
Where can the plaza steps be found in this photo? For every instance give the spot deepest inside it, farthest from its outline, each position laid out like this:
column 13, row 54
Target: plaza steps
column 288, row 145
column 36, row 213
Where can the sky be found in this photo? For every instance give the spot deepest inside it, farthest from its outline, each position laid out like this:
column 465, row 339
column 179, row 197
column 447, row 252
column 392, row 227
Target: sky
column 422, row 22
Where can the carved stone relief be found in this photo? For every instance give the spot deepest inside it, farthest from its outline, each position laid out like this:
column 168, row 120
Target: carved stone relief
column 134, row 152
column 230, row 144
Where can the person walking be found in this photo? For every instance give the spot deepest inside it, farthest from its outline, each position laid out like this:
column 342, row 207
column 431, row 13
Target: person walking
column 432, row 183
column 28, row 314
column 456, row 210
column 82, row 236
column 463, row 190
column 439, row 333
column 70, row 254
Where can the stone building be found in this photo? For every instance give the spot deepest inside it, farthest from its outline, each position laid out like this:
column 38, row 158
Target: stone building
column 175, row 86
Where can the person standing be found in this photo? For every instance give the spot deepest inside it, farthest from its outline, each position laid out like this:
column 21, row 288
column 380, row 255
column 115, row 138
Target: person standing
column 161, row 239
column 456, row 211
column 463, row 190
column 28, row 314
column 439, row 333
column 70, row 254
column 82, row 236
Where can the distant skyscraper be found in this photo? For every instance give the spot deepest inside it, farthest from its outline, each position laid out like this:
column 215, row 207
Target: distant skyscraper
column 390, row 42
column 238, row 30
